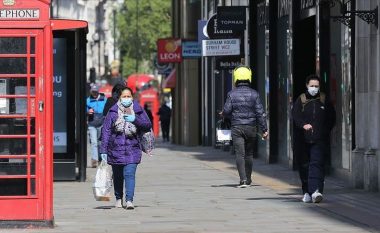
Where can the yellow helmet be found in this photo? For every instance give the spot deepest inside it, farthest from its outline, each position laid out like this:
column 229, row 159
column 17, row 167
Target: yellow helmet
column 242, row 73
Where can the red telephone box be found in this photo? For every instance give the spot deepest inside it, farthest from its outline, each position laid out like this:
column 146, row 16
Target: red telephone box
column 150, row 97
column 26, row 112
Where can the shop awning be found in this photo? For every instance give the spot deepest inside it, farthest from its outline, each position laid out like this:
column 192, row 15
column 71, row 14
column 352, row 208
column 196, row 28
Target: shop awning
column 170, row 81
column 67, row 24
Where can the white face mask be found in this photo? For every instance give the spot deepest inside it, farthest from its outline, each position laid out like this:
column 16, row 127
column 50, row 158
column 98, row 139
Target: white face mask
column 313, row 91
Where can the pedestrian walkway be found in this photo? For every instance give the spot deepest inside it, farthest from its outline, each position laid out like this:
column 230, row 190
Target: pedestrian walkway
column 193, row 189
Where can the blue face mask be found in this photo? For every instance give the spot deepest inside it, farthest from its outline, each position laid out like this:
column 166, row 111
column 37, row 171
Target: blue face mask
column 126, row 102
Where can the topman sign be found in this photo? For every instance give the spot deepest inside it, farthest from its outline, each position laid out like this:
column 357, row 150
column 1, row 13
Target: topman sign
column 19, row 14
column 231, row 18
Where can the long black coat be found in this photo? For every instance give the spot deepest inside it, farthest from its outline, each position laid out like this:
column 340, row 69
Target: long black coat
column 320, row 115
column 165, row 113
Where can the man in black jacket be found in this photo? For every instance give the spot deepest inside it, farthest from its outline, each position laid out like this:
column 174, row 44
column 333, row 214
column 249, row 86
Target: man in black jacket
column 165, row 114
column 244, row 107
column 314, row 117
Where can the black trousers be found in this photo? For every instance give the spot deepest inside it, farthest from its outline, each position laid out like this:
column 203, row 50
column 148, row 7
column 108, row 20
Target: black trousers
column 243, row 137
column 311, row 166
column 165, row 126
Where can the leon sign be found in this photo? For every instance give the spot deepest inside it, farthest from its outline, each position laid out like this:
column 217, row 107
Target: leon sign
column 169, row 50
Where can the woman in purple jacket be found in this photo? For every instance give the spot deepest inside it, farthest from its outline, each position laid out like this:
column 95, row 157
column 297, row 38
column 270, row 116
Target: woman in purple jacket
column 120, row 146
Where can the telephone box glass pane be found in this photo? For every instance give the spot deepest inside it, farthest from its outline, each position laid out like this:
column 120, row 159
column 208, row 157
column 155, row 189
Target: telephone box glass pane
column 32, row 166
column 13, row 146
column 32, row 45
column 32, row 146
column 13, row 187
column 32, row 65
column 13, row 45
column 13, row 65
column 16, row 86
column 33, row 186
column 14, row 167
column 16, row 106
column 16, row 126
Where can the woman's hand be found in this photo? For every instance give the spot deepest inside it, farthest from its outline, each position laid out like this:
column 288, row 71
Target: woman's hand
column 104, row 157
column 308, row 127
column 130, row 118
column 265, row 135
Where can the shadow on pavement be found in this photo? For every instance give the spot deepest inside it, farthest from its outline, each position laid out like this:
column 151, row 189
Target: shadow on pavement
column 230, row 185
column 342, row 203
column 104, row 207
column 285, row 199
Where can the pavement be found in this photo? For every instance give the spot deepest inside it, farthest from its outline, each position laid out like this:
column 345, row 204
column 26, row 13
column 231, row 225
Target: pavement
column 193, row 189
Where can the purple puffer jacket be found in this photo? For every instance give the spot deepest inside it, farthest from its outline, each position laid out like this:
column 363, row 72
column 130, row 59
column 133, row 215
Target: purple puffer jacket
column 120, row 149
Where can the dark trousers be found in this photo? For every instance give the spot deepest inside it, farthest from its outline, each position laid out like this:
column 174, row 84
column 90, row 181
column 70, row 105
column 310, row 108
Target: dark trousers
column 311, row 162
column 165, row 125
column 243, row 137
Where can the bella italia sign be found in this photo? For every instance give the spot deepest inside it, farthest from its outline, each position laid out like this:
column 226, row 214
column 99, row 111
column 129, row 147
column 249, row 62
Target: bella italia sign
column 19, row 14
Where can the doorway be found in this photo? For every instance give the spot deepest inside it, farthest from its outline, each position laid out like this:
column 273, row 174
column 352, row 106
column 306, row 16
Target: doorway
column 304, row 55
column 304, row 64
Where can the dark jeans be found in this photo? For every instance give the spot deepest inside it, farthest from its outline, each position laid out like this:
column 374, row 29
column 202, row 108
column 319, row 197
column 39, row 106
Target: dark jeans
column 126, row 173
column 243, row 137
column 165, row 125
column 311, row 162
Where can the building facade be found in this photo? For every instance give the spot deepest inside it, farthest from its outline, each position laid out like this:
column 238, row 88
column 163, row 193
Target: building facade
column 306, row 37
column 102, row 47
column 285, row 41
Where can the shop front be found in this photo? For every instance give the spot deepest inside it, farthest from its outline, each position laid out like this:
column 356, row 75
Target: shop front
column 292, row 41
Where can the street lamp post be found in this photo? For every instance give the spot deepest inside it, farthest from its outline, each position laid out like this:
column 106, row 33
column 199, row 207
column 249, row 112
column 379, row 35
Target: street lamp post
column 96, row 39
column 137, row 36
column 114, row 34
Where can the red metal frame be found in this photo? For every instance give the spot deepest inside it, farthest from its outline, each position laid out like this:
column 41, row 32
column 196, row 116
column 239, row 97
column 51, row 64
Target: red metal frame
column 37, row 205
column 16, row 204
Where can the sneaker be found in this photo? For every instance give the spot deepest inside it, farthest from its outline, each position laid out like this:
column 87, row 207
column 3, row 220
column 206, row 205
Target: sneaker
column 118, row 203
column 249, row 182
column 306, row 198
column 317, row 196
column 243, row 184
column 130, row 205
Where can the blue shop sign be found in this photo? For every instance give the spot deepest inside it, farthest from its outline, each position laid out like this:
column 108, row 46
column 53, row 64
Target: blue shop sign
column 202, row 30
column 191, row 49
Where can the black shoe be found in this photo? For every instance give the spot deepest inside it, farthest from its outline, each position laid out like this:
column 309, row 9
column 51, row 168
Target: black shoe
column 243, row 184
column 249, row 182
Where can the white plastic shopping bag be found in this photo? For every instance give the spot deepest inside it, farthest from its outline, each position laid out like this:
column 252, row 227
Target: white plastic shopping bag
column 102, row 187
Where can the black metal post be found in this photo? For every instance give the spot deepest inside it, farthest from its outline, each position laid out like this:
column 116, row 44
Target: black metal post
column 273, row 81
column 353, row 62
column 81, row 134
